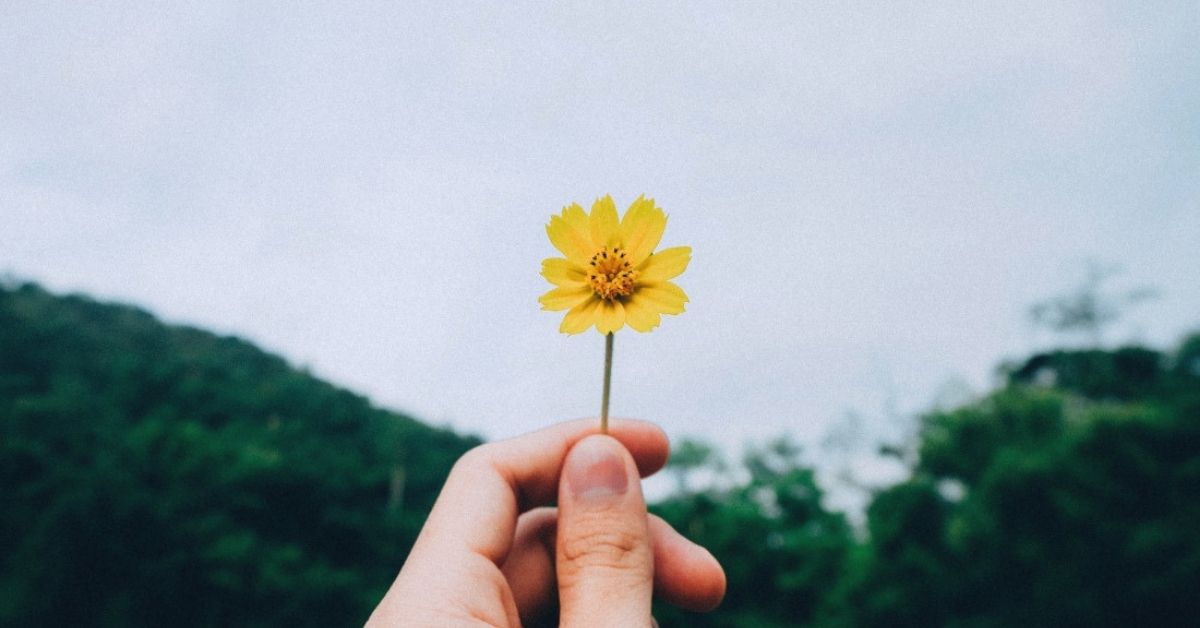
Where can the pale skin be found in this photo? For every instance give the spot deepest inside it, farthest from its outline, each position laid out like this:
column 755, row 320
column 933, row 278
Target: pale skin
column 492, row 553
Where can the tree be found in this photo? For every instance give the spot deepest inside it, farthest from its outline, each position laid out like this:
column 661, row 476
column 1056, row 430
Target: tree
column 689, row 457
column 1089, row 310
column 782, row 550
column 1077, row 505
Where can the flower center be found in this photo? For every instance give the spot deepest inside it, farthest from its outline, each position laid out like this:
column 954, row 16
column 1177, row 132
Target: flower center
column 611, row 274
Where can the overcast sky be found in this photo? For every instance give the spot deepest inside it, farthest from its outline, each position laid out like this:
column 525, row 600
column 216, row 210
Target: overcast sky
column 874, row 195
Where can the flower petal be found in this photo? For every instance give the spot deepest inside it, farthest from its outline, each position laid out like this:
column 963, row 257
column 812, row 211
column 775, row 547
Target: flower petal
column 576, row 217
column 568, row 236
column 641, row 229
column 611, row 318
column 580, row 317
column 565, row 273
column 640, row 316
column 564, row 297
column 665, row 264
column 603, row 222
column 664, row 297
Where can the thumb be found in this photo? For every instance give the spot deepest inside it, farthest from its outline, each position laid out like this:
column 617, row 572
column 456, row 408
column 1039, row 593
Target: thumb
column 604, row 562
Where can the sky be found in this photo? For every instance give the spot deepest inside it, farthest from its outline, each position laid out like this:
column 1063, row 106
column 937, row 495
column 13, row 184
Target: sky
column 875, row 195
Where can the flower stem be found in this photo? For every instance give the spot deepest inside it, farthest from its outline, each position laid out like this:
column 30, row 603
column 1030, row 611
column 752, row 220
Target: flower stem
column 608, row 346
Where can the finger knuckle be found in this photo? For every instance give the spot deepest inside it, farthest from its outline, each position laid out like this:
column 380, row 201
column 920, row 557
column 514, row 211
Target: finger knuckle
column 478, row 458
column 597, row 546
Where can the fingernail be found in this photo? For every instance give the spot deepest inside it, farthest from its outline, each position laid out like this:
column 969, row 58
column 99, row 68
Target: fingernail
column 596, row 469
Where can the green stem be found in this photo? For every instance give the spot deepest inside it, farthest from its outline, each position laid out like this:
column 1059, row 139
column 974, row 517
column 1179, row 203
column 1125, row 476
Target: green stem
column 608, row 346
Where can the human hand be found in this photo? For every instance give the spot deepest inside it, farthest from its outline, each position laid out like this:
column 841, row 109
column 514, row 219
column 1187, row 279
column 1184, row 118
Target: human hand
column 491, row 553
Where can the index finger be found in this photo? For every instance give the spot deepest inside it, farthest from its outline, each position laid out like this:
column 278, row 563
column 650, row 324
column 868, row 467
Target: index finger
column 491, row 485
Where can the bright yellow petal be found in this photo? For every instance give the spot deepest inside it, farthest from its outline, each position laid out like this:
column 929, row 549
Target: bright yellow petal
column 611, row 318
column 640, row 316
column 576, row 217
column 567, row 237
column 641, row 229
column 580, row 317
column 664, row 297
column 563, row 298
column 603, row 222
column 565, row 273
column 665, row 264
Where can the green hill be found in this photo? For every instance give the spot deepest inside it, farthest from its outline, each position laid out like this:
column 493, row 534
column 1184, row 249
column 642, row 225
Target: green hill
column 162, row 475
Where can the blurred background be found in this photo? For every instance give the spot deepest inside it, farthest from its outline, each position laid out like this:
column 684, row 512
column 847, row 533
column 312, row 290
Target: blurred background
column 268, row 270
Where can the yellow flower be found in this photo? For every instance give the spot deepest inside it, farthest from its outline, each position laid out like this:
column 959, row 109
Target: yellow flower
column 611, row 275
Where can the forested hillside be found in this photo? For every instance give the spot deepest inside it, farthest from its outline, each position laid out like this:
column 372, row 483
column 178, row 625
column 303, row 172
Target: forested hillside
column 156, row 475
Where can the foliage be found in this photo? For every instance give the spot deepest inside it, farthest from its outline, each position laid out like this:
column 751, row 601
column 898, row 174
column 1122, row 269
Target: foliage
column 1066, row 503
column 1089, row 309
column 1065, row 498
column 160, row 475
column 782, row 551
